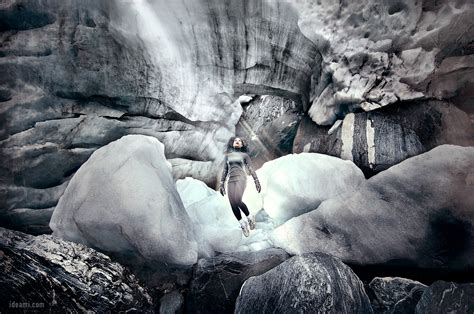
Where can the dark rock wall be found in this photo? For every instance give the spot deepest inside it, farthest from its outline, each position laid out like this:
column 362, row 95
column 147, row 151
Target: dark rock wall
column 376, row 140
column 270, row 124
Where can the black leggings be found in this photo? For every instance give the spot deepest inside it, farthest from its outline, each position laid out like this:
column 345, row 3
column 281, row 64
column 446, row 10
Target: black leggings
column 235, row 191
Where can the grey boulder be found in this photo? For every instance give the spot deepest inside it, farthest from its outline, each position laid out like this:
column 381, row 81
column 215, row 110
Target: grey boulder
column 52, row 275
column 417, row 213
column 312, row 283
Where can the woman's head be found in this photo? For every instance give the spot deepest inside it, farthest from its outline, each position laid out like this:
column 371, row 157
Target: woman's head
column 237, row 143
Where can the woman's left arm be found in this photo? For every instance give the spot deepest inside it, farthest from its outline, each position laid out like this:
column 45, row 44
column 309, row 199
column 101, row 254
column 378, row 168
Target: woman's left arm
column 248, row 163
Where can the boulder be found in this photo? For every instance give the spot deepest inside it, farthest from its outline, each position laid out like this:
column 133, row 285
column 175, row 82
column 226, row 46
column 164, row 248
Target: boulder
column 310, row 283
column 447, row 297
column 123, row 200
column 49, row 274
column 386, row 293
column 417, row 213
column 216, row 281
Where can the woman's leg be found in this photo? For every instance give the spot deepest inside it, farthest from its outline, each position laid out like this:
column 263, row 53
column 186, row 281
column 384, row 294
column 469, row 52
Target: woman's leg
column 233, row 192
column 244, row 208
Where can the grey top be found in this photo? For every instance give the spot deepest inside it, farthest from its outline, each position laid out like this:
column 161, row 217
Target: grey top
column 234, row 166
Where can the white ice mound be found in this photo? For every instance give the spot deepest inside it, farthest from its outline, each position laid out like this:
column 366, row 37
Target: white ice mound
column 124, row 200
column 216, row 227
column 297, row 183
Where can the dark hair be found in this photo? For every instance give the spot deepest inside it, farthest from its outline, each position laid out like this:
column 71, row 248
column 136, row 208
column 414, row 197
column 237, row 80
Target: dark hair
column 230, row 146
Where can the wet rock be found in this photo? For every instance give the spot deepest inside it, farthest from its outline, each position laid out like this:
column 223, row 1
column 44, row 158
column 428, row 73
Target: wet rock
column 48, row 274
column 447, row 297
column 310, row 283
column 386, row 293
column 216, row 281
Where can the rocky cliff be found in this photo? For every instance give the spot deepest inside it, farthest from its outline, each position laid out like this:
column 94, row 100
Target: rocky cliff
column 78, row 75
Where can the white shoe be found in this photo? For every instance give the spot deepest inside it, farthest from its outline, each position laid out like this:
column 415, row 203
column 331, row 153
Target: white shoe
column 251, row 219
column 245, row 227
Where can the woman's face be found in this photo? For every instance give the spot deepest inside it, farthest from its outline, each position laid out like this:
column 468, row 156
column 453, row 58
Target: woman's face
column 237, row 143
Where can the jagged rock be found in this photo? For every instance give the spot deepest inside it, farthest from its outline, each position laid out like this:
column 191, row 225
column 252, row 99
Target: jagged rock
column 447, row 297
column 417, row 213
column 297, row 183
column 271, row 122
column 380, row 53
column 217, row 281
column 123, row 200
column 386, row 292
column 48, row 274
column 310, row 283
column 379, row 139
column 409, row 302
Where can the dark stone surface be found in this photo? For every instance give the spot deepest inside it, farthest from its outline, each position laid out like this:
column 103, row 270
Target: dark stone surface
column 447, row 297
column 305, row 284
column 400, row 132
column 21, row 15
column 385, row 293
column 311, row 137
column 60, row 276
column 271, row 123
column 216, row 281
column 408, row 303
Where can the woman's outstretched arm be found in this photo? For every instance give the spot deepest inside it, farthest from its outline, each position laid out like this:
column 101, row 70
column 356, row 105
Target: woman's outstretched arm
column 248, row 163
column 224, row 176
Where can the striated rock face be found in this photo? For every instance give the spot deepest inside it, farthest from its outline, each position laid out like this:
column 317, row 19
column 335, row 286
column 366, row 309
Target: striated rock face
column 447, row 297
column 123, row 200
column 53, row 275
column 417, row 213
column 390, row 294
column 379, row 139
column 216, row 281
column 378, row 53
column 311, row 283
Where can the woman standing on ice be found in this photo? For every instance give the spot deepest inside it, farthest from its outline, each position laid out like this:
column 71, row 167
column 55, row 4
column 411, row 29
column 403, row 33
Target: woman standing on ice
column 236, row 158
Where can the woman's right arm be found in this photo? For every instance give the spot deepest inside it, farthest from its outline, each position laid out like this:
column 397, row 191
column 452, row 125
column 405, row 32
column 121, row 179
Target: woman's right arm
column 224, row 176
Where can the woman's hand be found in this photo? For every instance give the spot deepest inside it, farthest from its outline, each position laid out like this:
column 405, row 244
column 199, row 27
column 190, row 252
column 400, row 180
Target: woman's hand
column 222, row 189
column 257, row 185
